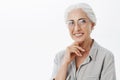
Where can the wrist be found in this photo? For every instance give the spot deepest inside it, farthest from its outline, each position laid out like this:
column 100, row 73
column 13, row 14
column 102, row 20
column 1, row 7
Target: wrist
column 65, row 63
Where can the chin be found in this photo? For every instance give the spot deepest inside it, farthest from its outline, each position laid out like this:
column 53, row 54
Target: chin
column 79, row 40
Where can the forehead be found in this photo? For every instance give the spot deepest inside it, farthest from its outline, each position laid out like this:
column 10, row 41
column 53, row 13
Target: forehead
column 76, row 14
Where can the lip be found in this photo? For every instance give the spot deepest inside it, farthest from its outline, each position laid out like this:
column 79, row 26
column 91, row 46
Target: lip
column 78, row 34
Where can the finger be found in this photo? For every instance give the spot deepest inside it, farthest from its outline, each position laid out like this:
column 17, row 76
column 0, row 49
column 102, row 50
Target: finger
column 76, row 51
column 79, row 48
column 76, row 43
column 79, row 54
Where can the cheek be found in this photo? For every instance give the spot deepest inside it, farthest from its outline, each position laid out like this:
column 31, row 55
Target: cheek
column 70, row 30
column 87, row 30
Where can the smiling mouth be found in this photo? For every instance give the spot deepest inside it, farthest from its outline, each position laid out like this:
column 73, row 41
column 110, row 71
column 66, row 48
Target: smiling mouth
column 78, row 34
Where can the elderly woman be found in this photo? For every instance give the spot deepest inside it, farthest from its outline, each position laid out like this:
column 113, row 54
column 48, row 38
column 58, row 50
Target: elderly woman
column 84, row 59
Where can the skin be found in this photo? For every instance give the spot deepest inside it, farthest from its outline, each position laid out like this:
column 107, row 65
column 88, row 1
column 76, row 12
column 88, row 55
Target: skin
column 80, row 48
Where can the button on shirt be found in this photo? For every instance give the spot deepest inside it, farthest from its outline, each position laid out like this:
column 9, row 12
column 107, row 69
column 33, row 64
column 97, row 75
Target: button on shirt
column 99, row 65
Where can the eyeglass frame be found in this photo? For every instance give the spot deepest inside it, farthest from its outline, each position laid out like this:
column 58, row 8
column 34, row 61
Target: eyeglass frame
column 80, row 24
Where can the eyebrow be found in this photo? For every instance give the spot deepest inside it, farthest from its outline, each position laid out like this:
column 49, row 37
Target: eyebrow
column 78, row 19
column 70, row 20
column 81, row 18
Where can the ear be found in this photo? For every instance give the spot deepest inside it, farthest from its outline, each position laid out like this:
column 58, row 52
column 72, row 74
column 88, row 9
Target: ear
column 92, row 25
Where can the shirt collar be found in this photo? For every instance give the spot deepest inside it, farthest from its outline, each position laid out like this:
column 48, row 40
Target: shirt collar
column 93, row 50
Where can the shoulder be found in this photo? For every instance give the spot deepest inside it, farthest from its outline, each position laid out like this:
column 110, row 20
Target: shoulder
column 107, row 54
column 59, row 56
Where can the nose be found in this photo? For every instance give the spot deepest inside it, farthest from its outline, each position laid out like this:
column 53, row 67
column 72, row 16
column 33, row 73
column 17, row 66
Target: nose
column 77, row 27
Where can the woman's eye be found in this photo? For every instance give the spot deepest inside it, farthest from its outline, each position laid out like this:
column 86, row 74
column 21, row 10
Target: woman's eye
column 70, row 23
column 82, row 21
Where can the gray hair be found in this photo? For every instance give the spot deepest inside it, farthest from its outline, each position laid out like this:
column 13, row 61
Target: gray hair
column 85, row 7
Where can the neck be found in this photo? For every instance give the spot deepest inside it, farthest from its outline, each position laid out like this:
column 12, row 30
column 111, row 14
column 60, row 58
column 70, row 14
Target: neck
column 86, row 44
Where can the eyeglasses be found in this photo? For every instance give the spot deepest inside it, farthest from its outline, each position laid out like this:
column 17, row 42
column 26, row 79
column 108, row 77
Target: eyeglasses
column 80, row 22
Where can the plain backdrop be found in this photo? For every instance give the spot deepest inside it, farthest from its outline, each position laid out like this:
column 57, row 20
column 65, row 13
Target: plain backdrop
column 33, row 31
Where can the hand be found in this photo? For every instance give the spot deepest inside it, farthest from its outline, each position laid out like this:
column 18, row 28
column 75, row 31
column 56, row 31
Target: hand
column 72, row 51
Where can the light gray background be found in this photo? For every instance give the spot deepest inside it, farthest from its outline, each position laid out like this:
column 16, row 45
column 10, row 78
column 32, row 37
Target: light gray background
column 33, row 31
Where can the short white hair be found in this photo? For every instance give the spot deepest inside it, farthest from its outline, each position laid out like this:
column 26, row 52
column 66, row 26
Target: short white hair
column 85, row 7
